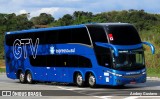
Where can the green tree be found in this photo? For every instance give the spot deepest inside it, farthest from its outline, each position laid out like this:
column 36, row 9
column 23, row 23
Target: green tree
column 82, row 17
column 42, row 19
column 66, row 20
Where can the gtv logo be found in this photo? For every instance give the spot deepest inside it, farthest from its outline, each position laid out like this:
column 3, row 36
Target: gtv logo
column 19, row 47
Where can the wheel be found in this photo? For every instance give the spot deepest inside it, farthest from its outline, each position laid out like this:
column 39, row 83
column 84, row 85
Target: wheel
column 91, row 80
column 79, row 81
column 29, row 78
column 22, row 77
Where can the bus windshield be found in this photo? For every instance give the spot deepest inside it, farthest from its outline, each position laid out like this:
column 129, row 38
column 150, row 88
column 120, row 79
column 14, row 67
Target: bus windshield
column 129, row 60
column 123, row 35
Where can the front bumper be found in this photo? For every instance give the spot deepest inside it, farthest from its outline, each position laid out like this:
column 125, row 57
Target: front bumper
column 129, row 79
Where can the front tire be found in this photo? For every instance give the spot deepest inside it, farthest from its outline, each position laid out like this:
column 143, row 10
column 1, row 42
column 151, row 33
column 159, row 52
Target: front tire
column 79, row 80
column 29, row 78
column 91, row 80
column 22, row 77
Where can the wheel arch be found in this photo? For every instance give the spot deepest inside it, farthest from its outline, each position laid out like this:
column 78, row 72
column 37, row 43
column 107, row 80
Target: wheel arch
column 18, row 72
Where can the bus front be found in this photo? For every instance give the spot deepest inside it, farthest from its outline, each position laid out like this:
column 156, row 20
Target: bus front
column 128, row 61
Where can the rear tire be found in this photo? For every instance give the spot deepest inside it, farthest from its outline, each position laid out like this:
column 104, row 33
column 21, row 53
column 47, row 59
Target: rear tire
column 91, row 80
column 22, row 78
column 79, row 80
column 29, row 78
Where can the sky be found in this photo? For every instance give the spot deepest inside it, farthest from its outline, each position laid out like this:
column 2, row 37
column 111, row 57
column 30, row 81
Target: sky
column 57, row 8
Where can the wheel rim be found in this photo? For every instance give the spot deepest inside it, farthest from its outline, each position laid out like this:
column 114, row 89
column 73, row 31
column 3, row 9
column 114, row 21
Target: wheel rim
column 21, row 77
column 92, row 80
column 29, row 78
column 79, row 80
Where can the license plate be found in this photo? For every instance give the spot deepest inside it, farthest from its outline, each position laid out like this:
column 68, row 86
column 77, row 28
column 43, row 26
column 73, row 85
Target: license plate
column 132, row 82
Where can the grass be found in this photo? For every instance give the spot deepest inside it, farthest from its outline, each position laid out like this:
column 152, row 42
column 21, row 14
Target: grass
column 152, row 61
column 153, row 72
column 152, row 65
column 2, row 66
column 2, row 70
column 2, row 63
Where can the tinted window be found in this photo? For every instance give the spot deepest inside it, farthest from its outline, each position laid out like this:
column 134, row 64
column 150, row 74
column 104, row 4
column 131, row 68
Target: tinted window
column 123, row 35
column 97, row 34
column 10, row 38
column 76, row 35
column 103, row 55
column 51, row 37
column 64, row 36
column 80, row 35
column 60, row 61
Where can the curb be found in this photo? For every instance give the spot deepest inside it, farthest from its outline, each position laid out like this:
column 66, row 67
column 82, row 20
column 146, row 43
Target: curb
column 153, row 78
column 2, row 72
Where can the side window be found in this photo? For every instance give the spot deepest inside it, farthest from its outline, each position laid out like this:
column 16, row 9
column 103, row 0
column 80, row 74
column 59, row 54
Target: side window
column 80, row 35
column 78, row 61
column 60, row 61
column 35, row 35
column 64, row 36
column 9, row 39
column 105, row 60
column 84, row 62
column 97, row 34
column 103, row 55
column 39, row 61
column 51, row 37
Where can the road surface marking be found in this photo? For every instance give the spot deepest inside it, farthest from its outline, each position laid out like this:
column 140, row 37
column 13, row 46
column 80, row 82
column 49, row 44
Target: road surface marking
column 132, row 97
column 82, row 92
column 136, row 97
column 103, row 97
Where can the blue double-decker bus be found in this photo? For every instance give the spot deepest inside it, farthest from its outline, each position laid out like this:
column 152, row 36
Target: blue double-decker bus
column 87, row 54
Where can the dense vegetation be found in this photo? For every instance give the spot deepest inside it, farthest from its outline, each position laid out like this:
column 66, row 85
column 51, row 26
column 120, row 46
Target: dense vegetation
column 147, row 24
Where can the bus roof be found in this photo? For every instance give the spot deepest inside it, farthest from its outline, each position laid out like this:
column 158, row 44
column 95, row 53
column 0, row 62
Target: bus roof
column 107, row 24
column 64, row 27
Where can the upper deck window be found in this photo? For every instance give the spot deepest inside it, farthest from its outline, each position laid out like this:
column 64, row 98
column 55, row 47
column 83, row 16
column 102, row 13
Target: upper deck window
column 97, row 34
column 123, row 35
column 62, row 36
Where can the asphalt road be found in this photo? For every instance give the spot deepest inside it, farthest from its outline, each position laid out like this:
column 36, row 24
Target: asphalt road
column 70, row 91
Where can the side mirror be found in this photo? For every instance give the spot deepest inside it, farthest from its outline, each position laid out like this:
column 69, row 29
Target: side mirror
column 151, row 46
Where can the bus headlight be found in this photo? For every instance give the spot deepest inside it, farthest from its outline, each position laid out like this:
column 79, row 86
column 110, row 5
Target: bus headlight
column 115, row 74
column 118, row 75
column 144, row 73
